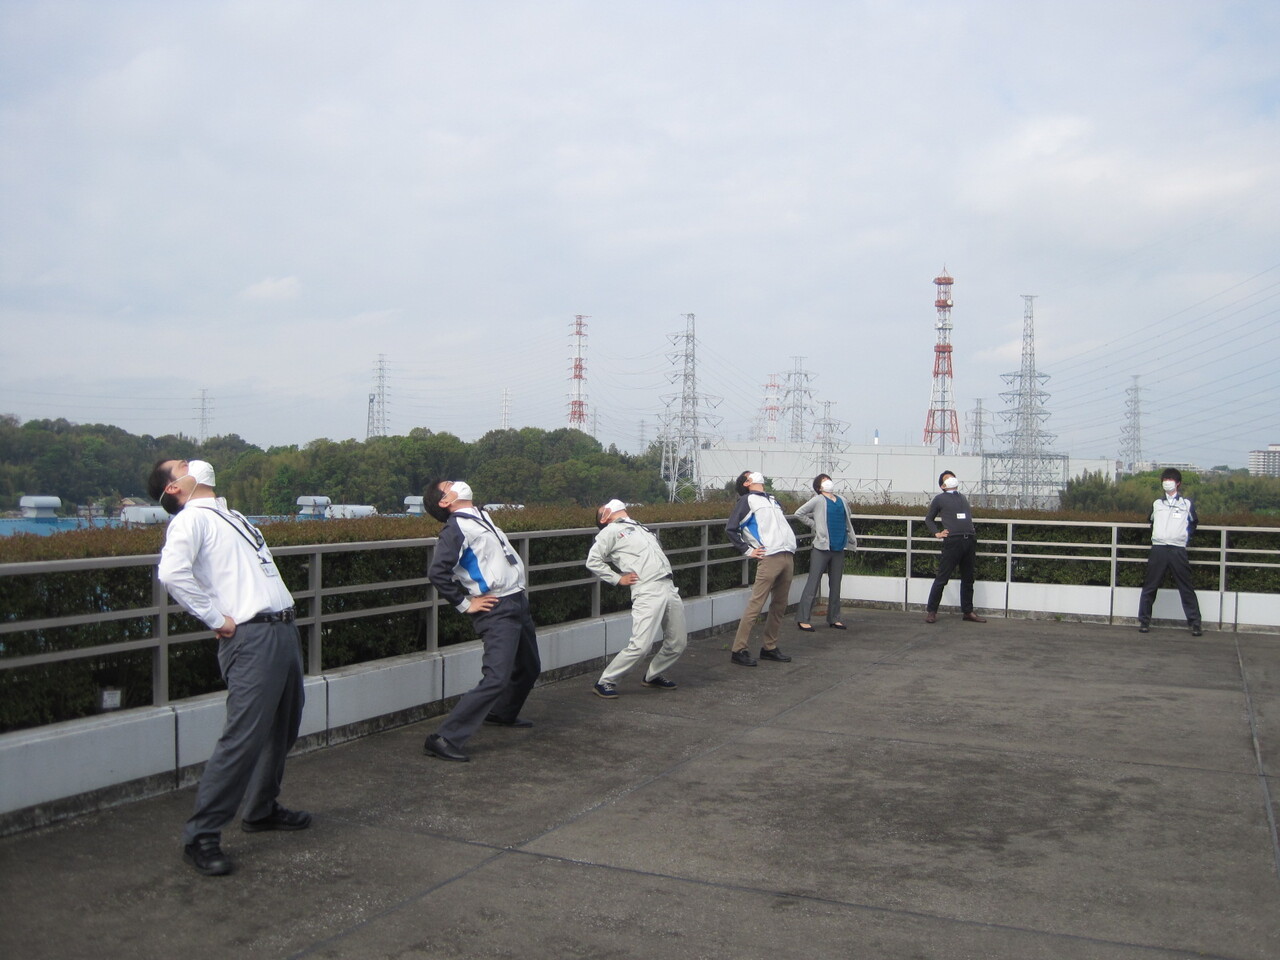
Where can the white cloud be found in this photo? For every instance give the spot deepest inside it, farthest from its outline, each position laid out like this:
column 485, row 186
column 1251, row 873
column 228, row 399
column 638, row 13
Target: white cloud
column 273, row 289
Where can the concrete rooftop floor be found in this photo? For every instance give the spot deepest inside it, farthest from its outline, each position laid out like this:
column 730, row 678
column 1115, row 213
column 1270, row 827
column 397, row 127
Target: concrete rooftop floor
column 1020, row 789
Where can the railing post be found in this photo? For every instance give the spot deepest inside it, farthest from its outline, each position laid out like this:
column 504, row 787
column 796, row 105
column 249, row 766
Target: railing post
column 906, row 581
column 1008, row 563
column 1222, row 578
column 315, row 577
column 433, row 611
column 704, row 582
column 160, row 631
column 1115, row 573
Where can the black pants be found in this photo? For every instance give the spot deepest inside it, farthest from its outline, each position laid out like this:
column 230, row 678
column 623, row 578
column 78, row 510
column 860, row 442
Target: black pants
column 1174, row 560
column 958, row 550
column 511, row 665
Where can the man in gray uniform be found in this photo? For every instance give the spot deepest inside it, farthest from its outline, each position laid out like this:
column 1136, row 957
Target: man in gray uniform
column 216, row 565
column 655, row 601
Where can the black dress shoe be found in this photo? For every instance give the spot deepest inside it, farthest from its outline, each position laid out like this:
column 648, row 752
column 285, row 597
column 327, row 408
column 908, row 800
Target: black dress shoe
column 205, row 854
column 280, row 819
column 806, row 627
column 837, row 626
column 438, row 746
column 517, row 722
column 774, row 654
column 742, row 658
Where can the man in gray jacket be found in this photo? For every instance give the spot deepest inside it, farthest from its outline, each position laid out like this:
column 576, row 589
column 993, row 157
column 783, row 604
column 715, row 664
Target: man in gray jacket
column 655, row 602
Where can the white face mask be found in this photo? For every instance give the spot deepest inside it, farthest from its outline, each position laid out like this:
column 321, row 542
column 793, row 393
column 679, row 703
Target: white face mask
column 827, row 486
column 1169, row 486
column 201, row 471
column 461, row 490
column 755, row 478
column 951, row 484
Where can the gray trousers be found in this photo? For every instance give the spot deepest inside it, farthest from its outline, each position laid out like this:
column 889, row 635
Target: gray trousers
column 831, row 563
column 510, row 667
column 262, row 667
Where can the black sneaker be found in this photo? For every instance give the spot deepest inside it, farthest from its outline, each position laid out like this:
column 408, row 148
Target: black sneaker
column 660, row 681
column 1196, row 631
column 279, row 819
column 774, row 654
column 205, row 854
column 742, row 658
column 1144, row 628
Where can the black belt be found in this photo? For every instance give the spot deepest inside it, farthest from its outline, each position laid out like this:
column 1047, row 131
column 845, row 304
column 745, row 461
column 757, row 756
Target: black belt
column 274, row 616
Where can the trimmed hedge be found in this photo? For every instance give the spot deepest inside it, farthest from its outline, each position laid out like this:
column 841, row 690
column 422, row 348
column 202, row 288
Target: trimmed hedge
column 43, row 694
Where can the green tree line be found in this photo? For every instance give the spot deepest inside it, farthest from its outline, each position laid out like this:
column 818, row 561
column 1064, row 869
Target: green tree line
column 84, row 463
column 1221, row 494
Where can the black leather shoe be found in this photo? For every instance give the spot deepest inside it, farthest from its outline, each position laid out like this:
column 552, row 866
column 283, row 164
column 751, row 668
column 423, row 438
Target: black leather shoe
column 742, row 658
column 438, row 746
column 205, row 854
column 280, row 819
column 774, row 654
column 517, row 722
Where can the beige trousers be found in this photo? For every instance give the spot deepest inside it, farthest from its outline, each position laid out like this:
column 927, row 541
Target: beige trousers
column 773, row 580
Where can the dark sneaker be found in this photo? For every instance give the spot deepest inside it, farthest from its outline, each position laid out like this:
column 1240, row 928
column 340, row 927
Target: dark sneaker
column 205, row 854
column 774, row 654
column 742, row 658
column 1144, row 628
column 606, row 689
column 1196, row 631
column 660, row 681
column 280, row 819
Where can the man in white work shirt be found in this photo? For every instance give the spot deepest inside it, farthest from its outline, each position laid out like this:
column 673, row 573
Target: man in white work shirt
column 656, row 606
column 216, row 565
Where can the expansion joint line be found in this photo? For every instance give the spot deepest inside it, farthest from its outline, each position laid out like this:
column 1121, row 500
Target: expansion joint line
column 1268, row 801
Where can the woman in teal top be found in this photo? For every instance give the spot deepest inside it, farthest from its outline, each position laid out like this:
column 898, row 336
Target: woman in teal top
column 829, row 516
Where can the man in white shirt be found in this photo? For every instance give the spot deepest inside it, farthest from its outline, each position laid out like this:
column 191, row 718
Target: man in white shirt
column 216, row 565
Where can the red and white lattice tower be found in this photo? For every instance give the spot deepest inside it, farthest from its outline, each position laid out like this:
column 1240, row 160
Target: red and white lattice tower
column 578, row 373
column 766, row 425
column 942, row 424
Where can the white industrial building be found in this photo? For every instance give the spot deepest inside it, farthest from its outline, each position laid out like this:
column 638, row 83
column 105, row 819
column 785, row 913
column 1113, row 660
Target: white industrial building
column 869, row 473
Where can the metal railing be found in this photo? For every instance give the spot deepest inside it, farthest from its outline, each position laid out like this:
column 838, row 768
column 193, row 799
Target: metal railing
column 699, row 568
column 1223, row 556
column 314, row 619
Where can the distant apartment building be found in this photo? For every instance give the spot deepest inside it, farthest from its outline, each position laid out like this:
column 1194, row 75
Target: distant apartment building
column 1265, row 463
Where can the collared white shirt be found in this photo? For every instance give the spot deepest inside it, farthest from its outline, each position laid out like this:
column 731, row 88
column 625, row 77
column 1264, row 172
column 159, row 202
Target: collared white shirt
column 214, row 566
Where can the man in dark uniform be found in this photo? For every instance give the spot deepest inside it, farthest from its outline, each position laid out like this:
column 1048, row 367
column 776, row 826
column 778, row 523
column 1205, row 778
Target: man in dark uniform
column 477, row 570
column 959, row 546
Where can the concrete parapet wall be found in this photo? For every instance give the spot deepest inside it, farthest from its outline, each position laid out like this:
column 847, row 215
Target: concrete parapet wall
column 121, row 756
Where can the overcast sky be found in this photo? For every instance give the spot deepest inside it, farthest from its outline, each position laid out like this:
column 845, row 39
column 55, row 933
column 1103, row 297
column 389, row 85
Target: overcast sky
column 260, row 199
